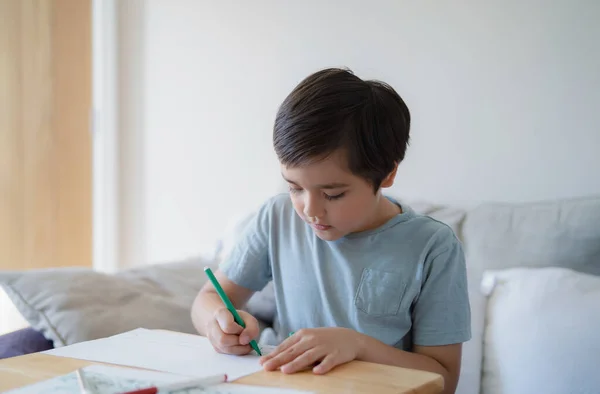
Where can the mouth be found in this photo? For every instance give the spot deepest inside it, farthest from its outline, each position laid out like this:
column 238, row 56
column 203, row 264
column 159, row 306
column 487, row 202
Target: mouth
column 320, row 227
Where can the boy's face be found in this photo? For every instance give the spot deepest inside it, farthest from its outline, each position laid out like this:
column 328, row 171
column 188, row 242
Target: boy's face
column 332, row 200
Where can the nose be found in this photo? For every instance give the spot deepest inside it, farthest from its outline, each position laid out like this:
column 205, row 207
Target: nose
column 313, row 207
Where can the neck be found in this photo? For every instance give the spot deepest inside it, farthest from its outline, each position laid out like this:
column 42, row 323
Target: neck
column 384, row 211
column 388, row 209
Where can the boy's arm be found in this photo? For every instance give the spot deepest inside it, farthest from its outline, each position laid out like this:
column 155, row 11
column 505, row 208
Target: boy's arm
column 444, row 360
column 208, row 301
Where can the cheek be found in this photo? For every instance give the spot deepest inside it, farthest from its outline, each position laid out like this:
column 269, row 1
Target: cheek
column 298, row 205
column 354, row 212
column 347, row 213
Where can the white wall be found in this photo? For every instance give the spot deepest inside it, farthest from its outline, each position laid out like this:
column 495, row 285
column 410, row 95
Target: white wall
column 10, row 317
column 505, row 98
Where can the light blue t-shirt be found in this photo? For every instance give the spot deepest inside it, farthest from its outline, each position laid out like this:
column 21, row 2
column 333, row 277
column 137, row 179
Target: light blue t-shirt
column 402, row 283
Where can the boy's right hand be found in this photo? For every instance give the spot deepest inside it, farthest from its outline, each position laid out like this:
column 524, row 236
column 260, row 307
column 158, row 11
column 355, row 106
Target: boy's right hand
column 227, row 336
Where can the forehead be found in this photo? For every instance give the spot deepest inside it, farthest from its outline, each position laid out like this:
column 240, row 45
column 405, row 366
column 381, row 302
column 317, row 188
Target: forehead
column 333, row 169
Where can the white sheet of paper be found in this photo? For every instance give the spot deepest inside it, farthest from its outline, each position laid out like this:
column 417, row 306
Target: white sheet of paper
column 184, row 354
column 109, row 380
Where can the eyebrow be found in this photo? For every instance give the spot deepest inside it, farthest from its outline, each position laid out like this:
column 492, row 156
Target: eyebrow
column 334, row 185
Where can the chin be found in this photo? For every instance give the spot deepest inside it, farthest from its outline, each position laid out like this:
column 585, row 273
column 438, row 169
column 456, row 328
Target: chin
column 328, row 236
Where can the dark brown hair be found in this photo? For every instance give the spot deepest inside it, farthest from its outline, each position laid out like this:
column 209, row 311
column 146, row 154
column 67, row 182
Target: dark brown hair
column 334, row 109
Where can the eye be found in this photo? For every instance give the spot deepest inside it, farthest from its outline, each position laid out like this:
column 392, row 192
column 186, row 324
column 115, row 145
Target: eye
column 294, row 190
column 336, row 197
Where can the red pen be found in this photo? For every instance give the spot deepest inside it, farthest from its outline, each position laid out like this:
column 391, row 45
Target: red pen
column 200, row 382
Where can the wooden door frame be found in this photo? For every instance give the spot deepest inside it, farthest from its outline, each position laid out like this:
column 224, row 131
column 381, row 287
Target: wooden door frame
column 105, row 134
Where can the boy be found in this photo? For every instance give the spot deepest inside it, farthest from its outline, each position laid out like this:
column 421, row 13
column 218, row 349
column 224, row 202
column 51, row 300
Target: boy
column 356, row 275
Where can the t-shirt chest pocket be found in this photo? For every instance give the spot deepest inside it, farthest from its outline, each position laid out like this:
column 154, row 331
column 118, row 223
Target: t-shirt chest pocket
column 379, row 292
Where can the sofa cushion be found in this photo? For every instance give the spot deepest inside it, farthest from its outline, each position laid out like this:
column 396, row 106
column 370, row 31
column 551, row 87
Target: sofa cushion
column 541, row 333
column 23, row 341
column 69, row 305
column 564, row 233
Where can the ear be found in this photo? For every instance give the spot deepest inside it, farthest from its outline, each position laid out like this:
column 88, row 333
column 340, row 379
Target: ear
column 388, row 181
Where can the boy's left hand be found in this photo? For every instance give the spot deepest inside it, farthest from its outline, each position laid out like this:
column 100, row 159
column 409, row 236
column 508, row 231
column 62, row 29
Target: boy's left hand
column 331, row 346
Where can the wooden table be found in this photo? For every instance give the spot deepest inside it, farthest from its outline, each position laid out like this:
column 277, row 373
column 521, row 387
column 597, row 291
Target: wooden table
column 353, row 377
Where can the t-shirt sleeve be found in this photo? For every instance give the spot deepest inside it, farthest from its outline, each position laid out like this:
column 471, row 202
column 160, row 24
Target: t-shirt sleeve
column 442, row 313
column 248, row 263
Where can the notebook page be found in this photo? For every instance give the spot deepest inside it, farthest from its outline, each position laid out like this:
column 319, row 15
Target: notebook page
column 183, row 354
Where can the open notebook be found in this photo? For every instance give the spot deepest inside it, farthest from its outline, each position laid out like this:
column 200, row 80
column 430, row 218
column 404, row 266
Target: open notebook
column 113, row 380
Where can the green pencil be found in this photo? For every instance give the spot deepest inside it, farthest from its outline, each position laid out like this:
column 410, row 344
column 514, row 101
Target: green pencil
column 229, row 305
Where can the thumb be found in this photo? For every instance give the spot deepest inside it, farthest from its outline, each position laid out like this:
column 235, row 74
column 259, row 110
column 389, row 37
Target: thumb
column 251, row 330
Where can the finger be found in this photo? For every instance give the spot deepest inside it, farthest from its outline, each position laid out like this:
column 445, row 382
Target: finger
column 263, row 359
column 283, row 346
column 306, row 359
column 226, row 322
column 237, row 350
column 245, row 337
column 326, row 364
column 285, row 356
column 219, row 338
column 251, row 331
column 226, row 340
